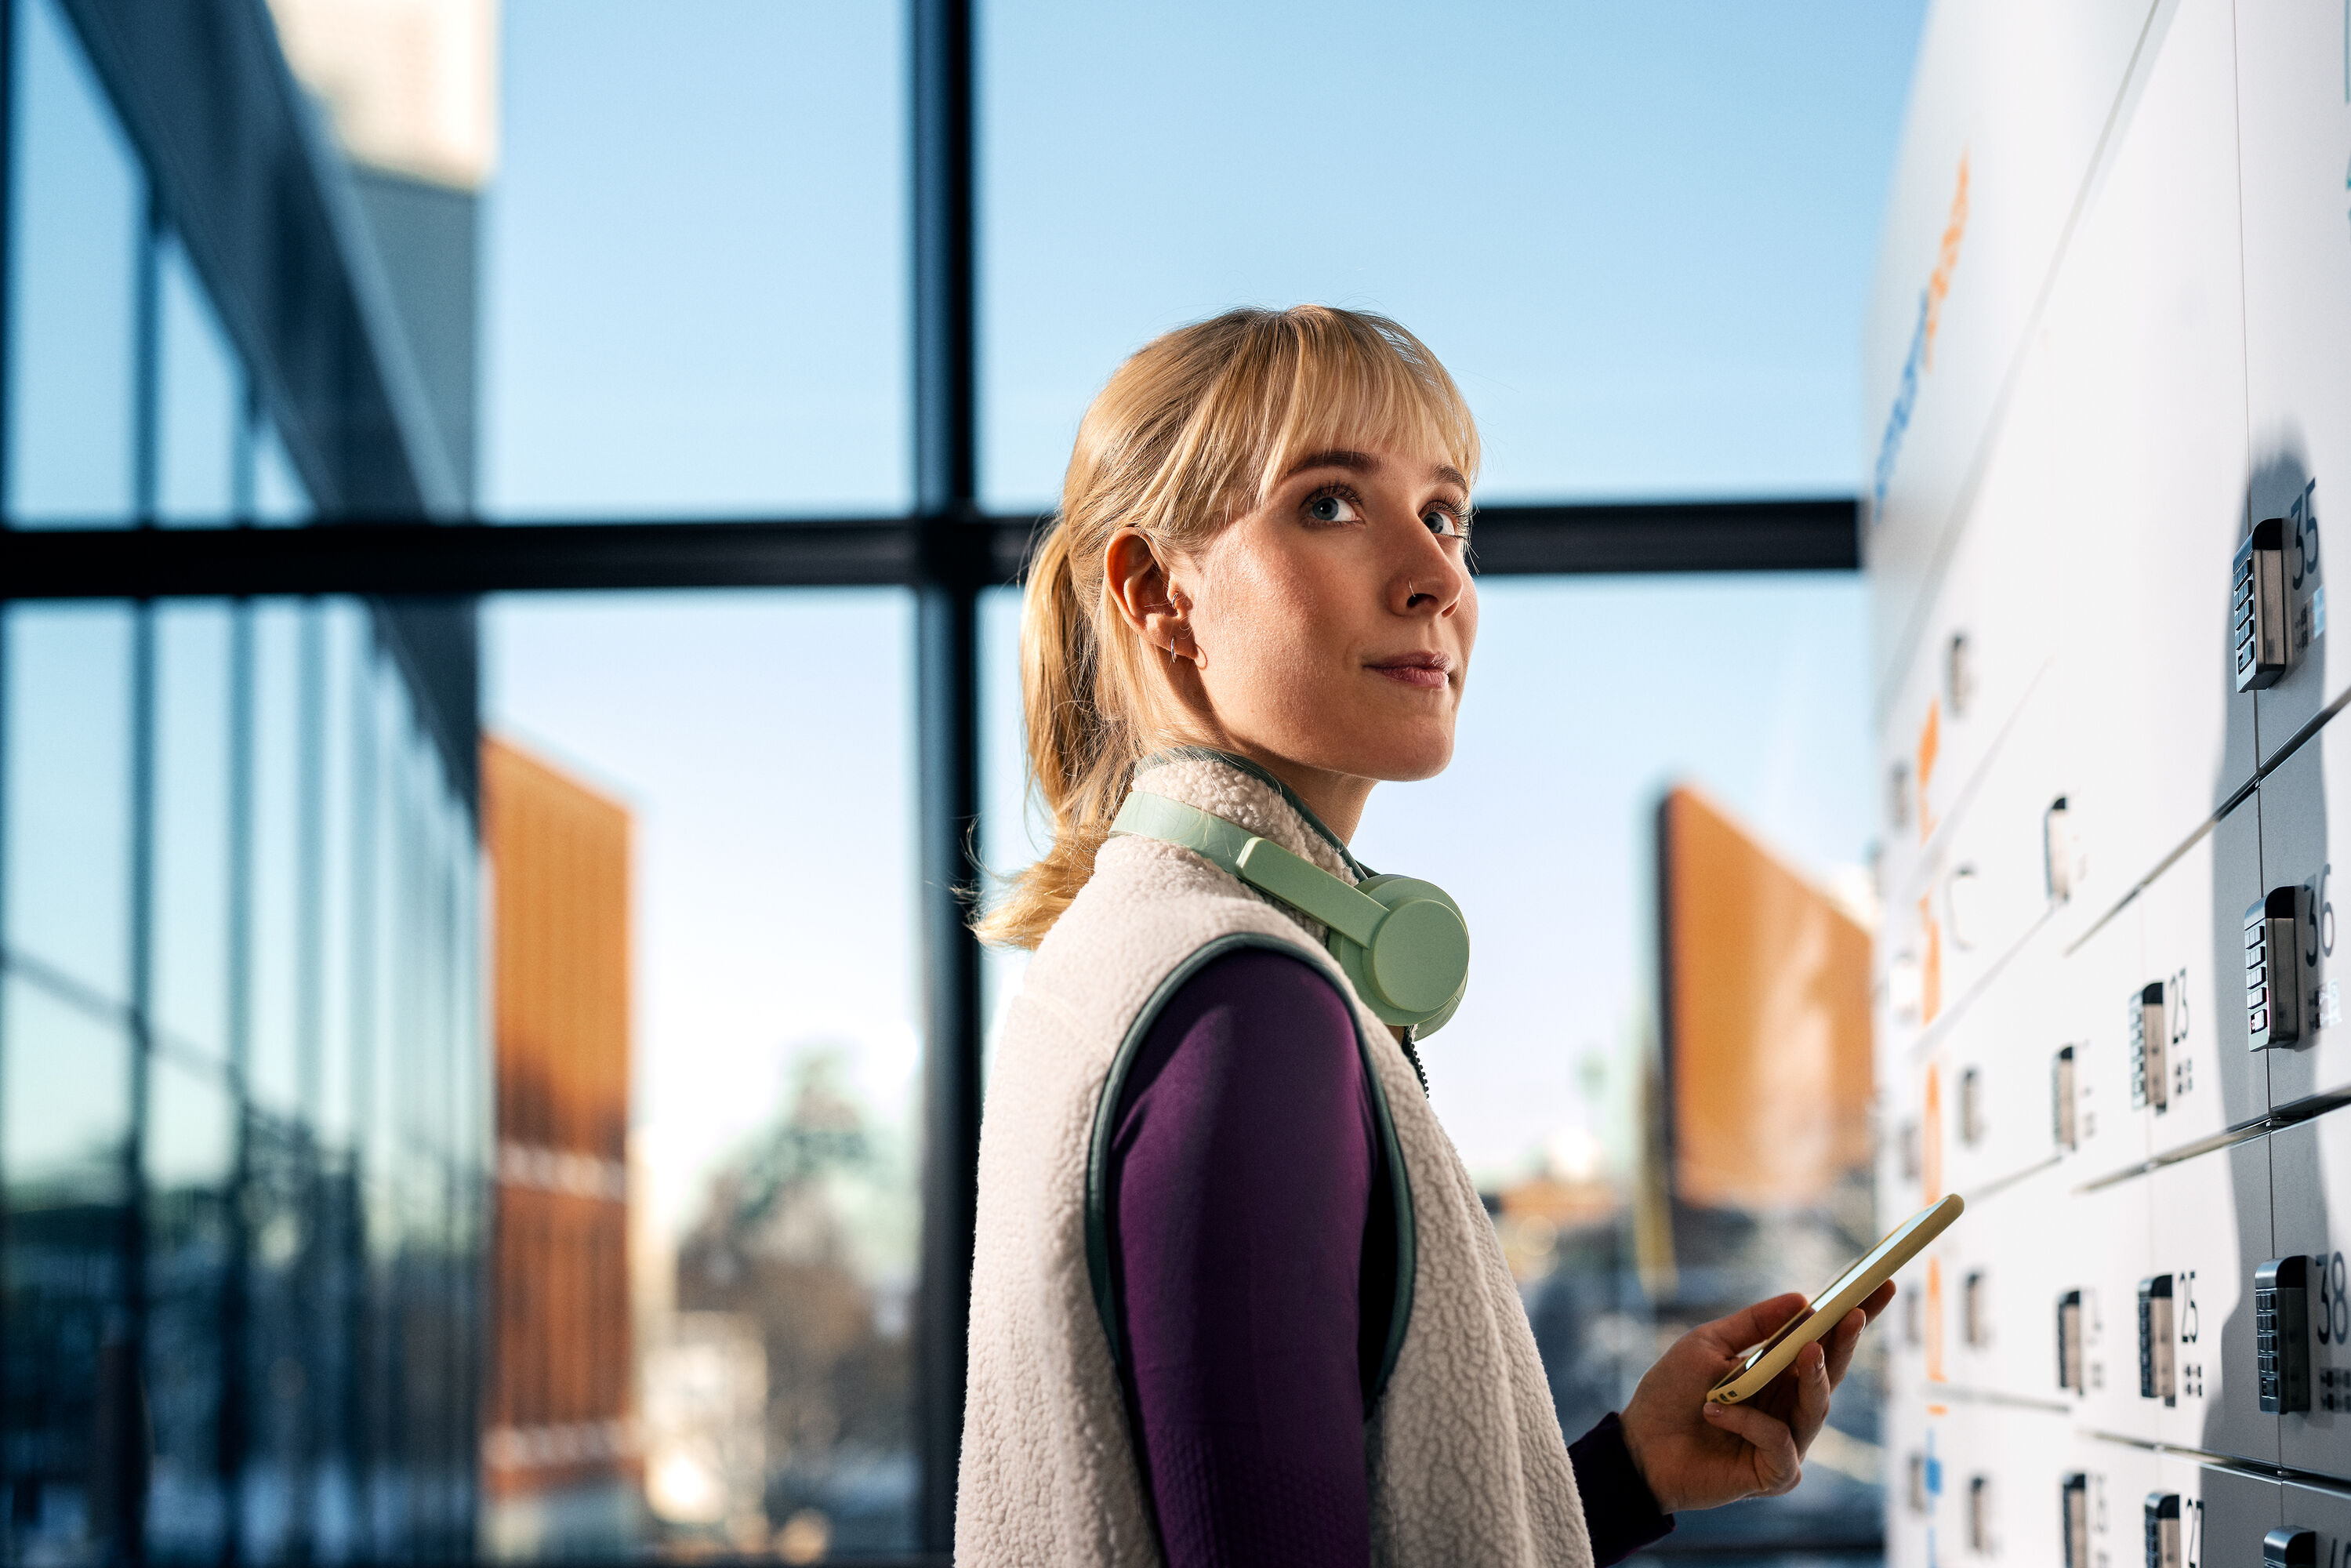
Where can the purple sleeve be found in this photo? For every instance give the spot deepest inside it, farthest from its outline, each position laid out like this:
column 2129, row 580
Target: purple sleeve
column 1241, row 1170
column 1618, row 1508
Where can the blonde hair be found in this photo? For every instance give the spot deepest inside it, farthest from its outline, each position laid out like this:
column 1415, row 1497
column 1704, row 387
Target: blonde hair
column 1191, row 433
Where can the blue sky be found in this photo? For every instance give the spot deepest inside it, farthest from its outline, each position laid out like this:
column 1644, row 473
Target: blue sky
column 1641, row 236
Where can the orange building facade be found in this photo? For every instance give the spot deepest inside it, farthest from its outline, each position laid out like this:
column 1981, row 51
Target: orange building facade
column 1765, row 1016
column 558, row 1413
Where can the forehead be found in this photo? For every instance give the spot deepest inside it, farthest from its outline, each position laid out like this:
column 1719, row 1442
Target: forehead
column 1411, row 463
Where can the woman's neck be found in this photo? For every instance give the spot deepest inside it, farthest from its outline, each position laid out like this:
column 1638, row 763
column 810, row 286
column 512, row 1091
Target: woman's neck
column 1337, row 799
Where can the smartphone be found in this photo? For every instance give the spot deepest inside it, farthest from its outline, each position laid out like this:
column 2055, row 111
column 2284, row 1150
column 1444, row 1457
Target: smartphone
column 1846, row 1292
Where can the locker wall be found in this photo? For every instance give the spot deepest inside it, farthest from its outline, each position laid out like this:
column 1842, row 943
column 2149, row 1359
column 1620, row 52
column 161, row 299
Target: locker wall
column 2109, row 374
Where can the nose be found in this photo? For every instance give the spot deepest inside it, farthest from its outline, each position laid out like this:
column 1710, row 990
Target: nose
column 1430, row 577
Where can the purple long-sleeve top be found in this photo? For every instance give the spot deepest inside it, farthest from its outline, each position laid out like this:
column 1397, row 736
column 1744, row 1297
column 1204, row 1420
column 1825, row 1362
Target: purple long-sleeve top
column 1252, row 1252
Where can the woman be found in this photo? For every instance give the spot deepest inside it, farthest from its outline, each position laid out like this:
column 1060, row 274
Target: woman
column 1235, row 1299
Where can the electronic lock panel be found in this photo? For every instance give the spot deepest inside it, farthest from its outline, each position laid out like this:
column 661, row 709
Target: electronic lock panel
column 2195, row 1321
column 2192, row 1073
column 2293, row 125
column 2307, row 1051
column 2310, row 1172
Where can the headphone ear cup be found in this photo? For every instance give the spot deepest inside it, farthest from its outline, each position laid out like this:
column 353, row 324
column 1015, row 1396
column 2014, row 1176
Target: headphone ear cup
column 1414, row 969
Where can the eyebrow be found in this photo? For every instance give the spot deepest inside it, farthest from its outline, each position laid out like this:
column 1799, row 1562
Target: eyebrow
column 1363, row 463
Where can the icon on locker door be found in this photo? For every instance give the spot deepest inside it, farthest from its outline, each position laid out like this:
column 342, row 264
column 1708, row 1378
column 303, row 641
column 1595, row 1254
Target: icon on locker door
column 2060, row 1092
column 2282, row 1333
column 2163, row 1529
column 2273, row 967
column 2150, row 1038
column 2076, row 1504
column 2258, row 608
column 2069, row 1342
column 2155, row 1366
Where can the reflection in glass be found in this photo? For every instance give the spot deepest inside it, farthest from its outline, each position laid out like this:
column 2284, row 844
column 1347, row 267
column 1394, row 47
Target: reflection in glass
column 67, row 805
column 279, row 497
column 69, row 1408
column 202, row 399
column 758, row 745
column 74, row 229
column 191, row 1156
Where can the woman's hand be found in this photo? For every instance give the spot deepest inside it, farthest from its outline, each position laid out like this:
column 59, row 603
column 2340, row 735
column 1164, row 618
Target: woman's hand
column 1695, row 1453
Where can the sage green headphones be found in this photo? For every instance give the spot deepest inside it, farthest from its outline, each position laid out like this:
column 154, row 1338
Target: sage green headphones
column 1400, row 941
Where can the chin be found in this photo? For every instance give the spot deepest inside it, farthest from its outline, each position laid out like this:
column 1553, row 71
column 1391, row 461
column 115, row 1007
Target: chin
column 1406, row 759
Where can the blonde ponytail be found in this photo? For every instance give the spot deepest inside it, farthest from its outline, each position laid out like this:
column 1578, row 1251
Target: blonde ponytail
column 1188, row 434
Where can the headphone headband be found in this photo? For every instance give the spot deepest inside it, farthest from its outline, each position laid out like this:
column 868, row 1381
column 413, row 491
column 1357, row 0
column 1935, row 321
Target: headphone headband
column 1402, row 942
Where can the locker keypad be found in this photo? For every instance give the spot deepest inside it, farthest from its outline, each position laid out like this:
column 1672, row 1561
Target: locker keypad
column 2257, row 607
column 2076, row 1505
column 2163, row 1529
column 2273, row 967
column 2149, row 1036
column 1980, row 1514
column 2060, row 1095
column 2155, row 1349
column 2069, row 1342
column 2282, row 1333
column 2057, row 851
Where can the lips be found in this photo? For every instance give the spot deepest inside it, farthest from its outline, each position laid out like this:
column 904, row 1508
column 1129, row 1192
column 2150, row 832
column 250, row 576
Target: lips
column 1425, row 671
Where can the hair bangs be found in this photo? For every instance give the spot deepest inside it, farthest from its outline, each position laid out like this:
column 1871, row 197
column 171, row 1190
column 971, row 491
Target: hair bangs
column 1360, row 383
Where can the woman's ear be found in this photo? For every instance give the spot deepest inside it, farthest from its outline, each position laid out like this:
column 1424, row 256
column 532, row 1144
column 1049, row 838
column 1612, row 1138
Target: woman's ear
column 1147, row 596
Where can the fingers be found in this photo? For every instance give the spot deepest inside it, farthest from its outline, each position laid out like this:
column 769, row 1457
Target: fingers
column 1842, row 1339
column 1879, row 1300
column 1840, row 1343
column 1778, row 1466
column 1754, row 1324
column 1812, row 1385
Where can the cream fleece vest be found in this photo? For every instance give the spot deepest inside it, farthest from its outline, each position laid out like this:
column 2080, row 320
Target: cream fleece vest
column 1467, row 1463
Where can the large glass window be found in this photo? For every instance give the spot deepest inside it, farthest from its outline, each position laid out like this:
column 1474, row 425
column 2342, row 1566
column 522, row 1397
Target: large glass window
column 195, row 831
column 68, row 694
column 696, row 262
column 1639, row 237
column 75, row 231
column 755, row 751
column 200, row 399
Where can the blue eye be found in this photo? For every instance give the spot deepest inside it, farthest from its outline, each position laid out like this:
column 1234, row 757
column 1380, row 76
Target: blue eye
column 1331, row 509
column 1442, row 523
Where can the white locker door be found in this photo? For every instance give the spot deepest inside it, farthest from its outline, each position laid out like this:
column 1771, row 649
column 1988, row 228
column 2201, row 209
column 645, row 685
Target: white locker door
column 2294, row 125
column 2210, row 1222
column 2137, row 371
column 2196, row 1076
column 2301, row 800
column 2093, row 1006
column 2239, row 1513
column 2326, row 1512
column 2311, row 1179
column 1918, row 1441
column 2003, row 1117
column 2004, row 1485
column 2008, row 104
